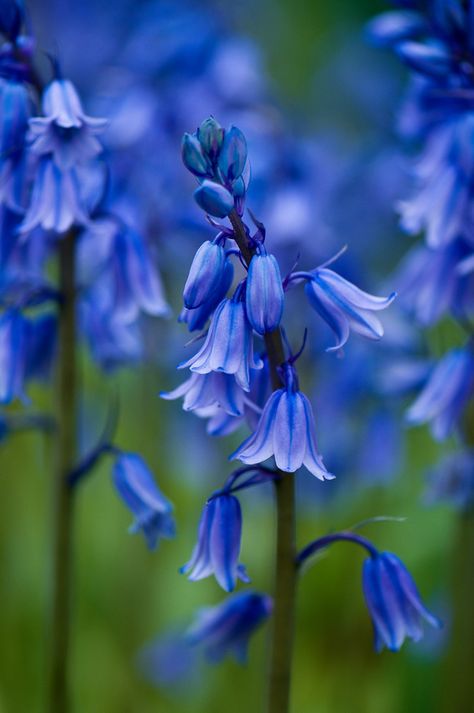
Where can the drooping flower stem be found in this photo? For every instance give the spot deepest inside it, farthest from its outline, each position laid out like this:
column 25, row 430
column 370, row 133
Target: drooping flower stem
column 285, row 567
column 66, row 411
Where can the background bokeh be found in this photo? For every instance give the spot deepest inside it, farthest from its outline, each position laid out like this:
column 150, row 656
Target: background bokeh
column 328, row 82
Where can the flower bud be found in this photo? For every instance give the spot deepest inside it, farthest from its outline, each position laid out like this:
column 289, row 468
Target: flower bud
column 264, row 295
column 233, row 155
column 205, row 274
column 214, row 199
column 193, row 157
column 211, row 136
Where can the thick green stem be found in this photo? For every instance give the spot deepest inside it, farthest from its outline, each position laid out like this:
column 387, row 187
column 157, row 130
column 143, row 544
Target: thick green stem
column 281, row 648
column 66, row 410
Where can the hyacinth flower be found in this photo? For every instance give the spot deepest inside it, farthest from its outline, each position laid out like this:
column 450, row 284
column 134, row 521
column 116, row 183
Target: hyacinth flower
column 15, row 111
column 60, row 143
column 285, row 431
column 227, row 627
column 218, row 547
column 205, row 274
column 264, row 297
column 391, row 596
column 212, row 389
column 197, row 318
column 228, row 346
column 446, row 393
column 137, row 488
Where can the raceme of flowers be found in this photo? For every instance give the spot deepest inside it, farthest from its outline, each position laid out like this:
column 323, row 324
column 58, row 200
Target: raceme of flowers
column 225, row 384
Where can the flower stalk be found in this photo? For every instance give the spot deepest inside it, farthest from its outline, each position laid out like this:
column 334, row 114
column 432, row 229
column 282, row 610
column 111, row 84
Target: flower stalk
column 62, row 516
column 281, row 649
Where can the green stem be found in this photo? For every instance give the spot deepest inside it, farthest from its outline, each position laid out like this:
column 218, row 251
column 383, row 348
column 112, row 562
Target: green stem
column 285, row 556
column 66, row 410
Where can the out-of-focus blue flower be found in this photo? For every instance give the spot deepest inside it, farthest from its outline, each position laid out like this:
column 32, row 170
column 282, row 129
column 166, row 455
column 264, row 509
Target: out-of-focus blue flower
column 214, row 199
column 194, row 158
column 445, row 394
column 452, row 481
column 212, row 389
column 264, row 299
column 11, row 18
column 205, row 274
column 15, row 110
column 61, row 142
column 227, row 627
column 65, row 132
column 197, row 318
column 344, row 306
column 393, row 602
column 285, row 431
column 393, row 26
column 117, row 256
column 228, row 346
column 218, row 547
column 138, row 490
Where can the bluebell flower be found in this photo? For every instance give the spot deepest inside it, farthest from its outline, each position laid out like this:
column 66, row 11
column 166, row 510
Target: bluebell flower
column 232, row 155
column 65, row 132
column 213, row 389
column 214, row 198
column 285, row 431
column 15, row 110
column 228, row 346
column 211, row 137
column 446, row 393
column 344, row 306
column 138, row 490
column 194, row 158
column 218, row 547
column 227, row 627
column 393, row 26
column 264, row 298
column 393, row 602
column 197, row 318
column 116, row 255
column 205, row 274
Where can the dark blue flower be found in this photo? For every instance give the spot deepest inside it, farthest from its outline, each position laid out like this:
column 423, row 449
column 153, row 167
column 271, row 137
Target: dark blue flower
column 211, row 137
column 214, row 198
column 344, row 306
column 13, row 356
column 393, row 602
column 15, row 110
column 138, row 490
column 205, row 274
column 228, row 346
column 197, row 318
column 218, row 547
column 11, row 18
column 212, row 389
column 285, row 431
column 445, row 394
column 194, row 158
column 393, row 26
column 264, row 299
column 232, row 155
column 227, row 627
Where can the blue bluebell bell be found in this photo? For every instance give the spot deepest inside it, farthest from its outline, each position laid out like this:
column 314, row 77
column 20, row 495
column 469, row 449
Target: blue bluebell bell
column 232, row 155
column 227, row 627
column 393, row 602
column 211, row 136
column 446, row 393
column 11, row 18
column 344, row 306
column 197, row 318
column 194, row 157
column 205, row 274
column 264, row 298
column 285, row 431
column 218, row 547
column 15, row 110
column 213, row 389
column 138, row 490
column 228, row 346
column 394, row 26
column 214, row 198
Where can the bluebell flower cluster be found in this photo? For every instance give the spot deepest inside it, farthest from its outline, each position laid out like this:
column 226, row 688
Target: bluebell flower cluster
column 230, row 382
column 435, row 280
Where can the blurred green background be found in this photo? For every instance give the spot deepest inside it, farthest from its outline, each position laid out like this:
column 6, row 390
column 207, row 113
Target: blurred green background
column 124, row 596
